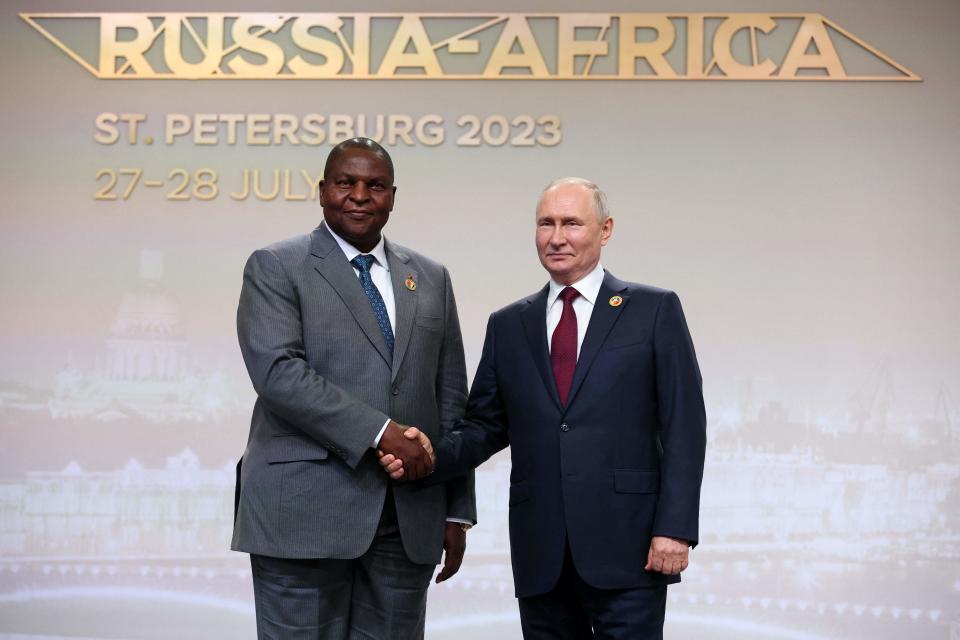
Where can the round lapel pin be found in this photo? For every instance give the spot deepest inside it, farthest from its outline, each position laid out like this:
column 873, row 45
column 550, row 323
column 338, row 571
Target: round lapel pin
column 616, row 301
column 410, row 283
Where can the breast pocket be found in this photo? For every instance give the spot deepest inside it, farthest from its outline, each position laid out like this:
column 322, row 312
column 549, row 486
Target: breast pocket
column 633, row 339
column 430, row 323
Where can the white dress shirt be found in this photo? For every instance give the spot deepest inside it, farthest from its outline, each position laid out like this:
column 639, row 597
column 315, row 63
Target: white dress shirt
column 589, row 288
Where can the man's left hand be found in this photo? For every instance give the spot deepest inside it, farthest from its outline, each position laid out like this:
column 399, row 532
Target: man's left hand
column 454, row 545
column 669, row 556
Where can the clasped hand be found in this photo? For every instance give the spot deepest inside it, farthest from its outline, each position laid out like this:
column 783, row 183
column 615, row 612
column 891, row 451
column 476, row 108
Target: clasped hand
column 405, row 452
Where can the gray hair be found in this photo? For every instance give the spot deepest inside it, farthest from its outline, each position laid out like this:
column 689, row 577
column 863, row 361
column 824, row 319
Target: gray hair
column 599, row 197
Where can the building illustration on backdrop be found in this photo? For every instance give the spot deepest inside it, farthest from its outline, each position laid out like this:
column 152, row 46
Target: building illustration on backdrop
column 145, row 372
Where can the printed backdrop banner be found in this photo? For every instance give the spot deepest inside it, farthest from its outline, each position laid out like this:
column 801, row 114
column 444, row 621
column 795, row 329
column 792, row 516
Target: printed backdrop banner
column 808, row 221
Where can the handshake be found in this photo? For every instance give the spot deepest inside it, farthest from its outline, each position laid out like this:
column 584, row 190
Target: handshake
column 405, row 452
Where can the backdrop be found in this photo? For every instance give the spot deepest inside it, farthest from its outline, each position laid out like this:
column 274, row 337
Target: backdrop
column 810, row 229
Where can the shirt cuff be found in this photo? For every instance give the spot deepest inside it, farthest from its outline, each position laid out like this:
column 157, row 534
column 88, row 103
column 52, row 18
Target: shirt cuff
column 469, row 523
column 376, row 441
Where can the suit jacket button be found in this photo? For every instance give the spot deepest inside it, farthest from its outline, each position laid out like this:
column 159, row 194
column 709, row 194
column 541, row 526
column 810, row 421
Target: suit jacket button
column 395, row 391
column 564, row 427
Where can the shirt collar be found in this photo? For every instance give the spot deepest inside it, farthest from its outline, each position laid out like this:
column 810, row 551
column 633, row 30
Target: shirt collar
column 588, row 286
column 379, row 252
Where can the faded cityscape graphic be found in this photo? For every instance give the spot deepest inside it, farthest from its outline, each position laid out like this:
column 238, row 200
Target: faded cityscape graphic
column 116, row 506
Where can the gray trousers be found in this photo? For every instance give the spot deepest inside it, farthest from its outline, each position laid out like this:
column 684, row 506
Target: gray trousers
column 381, row 595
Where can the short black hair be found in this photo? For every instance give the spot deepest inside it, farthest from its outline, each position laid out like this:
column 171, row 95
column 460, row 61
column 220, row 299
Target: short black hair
column 358, row 143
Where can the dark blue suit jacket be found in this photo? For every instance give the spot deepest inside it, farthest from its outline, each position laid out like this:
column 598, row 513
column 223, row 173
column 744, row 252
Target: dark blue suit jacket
column 622, row 462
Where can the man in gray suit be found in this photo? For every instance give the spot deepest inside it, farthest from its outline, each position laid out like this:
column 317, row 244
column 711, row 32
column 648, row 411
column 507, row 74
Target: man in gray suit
column 347, row 337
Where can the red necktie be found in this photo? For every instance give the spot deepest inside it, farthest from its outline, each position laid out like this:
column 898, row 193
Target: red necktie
column 563, row 345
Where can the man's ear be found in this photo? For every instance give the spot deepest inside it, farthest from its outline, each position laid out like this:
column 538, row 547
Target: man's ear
column 606, row 230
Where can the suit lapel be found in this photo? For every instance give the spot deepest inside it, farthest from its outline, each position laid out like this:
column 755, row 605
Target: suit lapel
column 602, row 319
column 333, row 266
column 405, row 300
column 534, row 319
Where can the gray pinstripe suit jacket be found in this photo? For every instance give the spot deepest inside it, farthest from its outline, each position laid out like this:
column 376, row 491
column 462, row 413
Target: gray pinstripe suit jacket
column 309, row 485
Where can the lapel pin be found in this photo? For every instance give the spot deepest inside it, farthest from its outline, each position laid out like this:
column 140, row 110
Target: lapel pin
column 410, row 283
column 616, row 301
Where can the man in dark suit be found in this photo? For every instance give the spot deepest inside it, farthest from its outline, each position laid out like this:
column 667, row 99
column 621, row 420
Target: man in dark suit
column 594, row 384
column 346, row 336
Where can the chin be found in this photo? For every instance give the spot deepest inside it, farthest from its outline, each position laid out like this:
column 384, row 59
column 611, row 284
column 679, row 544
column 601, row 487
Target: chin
column 359, row 234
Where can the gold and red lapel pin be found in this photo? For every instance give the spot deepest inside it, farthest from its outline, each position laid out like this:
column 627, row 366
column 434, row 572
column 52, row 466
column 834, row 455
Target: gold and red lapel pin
column 410, row 283
column 616, row 301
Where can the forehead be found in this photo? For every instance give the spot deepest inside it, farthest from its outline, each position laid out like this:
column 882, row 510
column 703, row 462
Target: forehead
column 360, row 162
column 567, row 200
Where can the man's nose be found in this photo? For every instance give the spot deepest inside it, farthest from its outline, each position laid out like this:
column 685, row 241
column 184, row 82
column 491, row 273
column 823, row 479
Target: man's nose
column 359, row 192
column 557, row 238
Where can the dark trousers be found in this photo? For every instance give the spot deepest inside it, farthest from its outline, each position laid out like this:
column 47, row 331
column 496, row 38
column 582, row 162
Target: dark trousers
column 381, row 595
column 574, row 610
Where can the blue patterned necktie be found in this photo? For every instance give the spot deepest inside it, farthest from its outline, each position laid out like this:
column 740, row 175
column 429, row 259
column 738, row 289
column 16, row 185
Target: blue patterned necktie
column 362, row 262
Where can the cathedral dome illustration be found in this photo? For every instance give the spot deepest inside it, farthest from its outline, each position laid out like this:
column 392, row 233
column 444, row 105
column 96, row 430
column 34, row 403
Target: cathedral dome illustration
column 148, row 312
column 145, row 369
